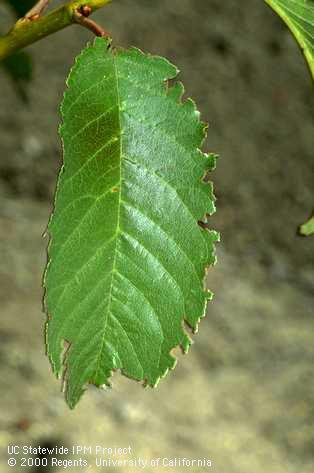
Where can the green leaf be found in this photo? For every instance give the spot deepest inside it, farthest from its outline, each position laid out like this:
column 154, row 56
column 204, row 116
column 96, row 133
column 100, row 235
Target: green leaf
column 299, row 16
column 127, row 255
column 308, row 227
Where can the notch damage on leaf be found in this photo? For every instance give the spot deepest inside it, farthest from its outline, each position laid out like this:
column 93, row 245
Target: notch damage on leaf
column 127, row 256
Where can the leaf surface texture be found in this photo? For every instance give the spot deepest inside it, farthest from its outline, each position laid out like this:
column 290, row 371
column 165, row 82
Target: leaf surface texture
column 127, row 255
column 299, row 16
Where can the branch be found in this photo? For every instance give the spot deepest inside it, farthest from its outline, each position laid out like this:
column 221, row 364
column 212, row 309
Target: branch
column 29, row 30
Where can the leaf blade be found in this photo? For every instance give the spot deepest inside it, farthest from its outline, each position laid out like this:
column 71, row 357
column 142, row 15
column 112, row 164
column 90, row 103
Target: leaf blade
column 299, row 17
column 126, row 256
column 307, row 228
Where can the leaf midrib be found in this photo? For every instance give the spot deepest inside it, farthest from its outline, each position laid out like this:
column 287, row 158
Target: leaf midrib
column 113, row 269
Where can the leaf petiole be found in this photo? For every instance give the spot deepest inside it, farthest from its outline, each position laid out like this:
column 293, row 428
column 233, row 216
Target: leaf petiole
column 81, row 17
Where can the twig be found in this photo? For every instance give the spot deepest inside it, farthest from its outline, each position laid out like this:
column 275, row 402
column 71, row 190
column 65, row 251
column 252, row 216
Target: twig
column 81, row 17
column 35, row 12
column 26, row 32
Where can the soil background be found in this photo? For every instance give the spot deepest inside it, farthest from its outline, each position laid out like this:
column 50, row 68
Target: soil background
column 244, row 396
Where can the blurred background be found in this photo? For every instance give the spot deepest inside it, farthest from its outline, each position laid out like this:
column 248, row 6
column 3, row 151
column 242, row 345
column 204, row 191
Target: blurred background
column 244, row 396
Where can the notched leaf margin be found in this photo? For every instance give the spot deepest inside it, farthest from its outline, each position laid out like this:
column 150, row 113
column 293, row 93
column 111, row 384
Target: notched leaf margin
column 176, row 92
